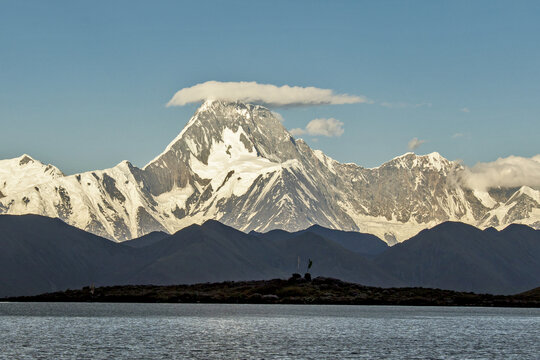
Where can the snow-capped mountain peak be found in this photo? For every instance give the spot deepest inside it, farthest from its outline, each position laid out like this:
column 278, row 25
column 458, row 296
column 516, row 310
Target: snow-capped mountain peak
column 236, row 163
column 22, row 172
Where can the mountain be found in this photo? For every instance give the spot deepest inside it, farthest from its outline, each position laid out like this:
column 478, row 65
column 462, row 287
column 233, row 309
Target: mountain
column 361, row 243
column 41, row 254
column 23, row 172
column 461, row 257
column 207, row 252
column 146, row 240
column 236, row 163
column 216, row 252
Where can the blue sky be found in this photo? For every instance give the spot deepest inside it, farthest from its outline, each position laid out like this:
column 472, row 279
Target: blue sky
column 83, row 85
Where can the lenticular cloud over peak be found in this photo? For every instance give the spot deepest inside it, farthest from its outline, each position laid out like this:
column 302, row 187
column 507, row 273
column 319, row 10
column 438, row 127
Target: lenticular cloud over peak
column 266, row 94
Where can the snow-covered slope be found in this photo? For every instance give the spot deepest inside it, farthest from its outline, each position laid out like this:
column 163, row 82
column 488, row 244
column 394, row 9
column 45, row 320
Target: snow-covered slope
column 520, row 206
column 20, row 173
column 236, row 163
column 106, row 202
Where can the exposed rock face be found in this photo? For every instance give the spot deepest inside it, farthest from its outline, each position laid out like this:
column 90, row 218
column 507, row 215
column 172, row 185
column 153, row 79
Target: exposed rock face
column 236, row 163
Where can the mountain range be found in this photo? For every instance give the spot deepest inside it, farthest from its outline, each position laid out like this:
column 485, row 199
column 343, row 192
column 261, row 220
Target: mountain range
column 236, row 163
column 41, row 254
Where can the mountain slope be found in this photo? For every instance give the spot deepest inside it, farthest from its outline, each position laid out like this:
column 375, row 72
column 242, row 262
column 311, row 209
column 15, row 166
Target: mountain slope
column 110, row 203
column 146, row 240
column 236, row 163
column 208, row 252
column 40, row 254
column 354, row 241
column 214, row 252
column 461, row 257
column 23, row 172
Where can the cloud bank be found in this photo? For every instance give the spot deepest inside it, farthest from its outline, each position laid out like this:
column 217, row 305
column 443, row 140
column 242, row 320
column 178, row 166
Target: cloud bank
column 415, row 143
column 266, row 94
column 512, row 171
column 323, row 127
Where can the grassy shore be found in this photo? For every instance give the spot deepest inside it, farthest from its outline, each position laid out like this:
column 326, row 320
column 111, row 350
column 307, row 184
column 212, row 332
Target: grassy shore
column 293, row 291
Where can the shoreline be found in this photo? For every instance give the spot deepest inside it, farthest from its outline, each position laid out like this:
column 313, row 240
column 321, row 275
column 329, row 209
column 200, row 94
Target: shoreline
column 319, row 291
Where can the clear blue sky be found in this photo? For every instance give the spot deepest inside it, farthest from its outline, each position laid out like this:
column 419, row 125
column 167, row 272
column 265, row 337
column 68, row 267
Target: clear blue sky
column 83, row 85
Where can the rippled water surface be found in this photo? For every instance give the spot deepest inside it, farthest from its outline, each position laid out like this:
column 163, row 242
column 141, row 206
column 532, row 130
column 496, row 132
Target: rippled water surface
column 202, row 331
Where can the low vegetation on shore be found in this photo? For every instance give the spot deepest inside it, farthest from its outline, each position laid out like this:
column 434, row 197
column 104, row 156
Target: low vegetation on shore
column 296, row 290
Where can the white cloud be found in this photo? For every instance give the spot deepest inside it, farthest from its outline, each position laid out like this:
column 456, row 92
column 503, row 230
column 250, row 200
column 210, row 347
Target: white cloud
column 297, row 132
column 415, row 143
column 512, row 171
column 278, row 116
column 458, row 135
column 324, row 127
column 465, row 110
column 403, row 105
column 267, row 94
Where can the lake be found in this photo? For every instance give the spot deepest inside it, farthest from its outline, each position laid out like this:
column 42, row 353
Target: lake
column 218, row 331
